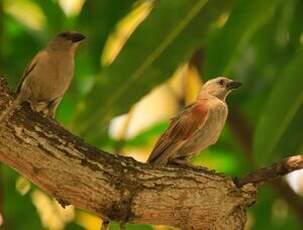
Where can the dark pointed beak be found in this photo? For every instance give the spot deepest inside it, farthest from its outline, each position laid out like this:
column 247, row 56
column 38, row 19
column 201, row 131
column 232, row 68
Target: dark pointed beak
column 233, row 85
column 77, row 37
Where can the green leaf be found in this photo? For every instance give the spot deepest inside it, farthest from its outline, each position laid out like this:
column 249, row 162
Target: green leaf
column 282, row 106
column 54, row 14
column 273, row 205
column 245, row 19
column 167, row 38
column 296, row 28
column 292, row 141
column 97, row 20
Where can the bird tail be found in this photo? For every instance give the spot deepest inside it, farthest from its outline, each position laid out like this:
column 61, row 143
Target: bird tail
column 11, row 108
column 157, row 158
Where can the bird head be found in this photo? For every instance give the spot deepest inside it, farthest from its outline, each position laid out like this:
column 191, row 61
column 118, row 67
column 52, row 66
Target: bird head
column 219, row 87
column 66, row 40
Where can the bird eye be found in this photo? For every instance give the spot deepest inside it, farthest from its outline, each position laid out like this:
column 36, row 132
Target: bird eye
column 221, row 82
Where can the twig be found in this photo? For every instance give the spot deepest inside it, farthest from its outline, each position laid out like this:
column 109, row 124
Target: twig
column 274, row 171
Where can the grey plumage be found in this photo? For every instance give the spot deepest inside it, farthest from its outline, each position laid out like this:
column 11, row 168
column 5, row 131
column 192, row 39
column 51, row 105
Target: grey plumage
column 46, row 79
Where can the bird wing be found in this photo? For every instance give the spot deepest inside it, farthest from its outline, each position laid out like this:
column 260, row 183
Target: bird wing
column 181, row 128
column 29, row 69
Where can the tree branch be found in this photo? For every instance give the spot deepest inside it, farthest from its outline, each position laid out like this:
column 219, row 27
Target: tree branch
column 274, row 171
column 116, row 187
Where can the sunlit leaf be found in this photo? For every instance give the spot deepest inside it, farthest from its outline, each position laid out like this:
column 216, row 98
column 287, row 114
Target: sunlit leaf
column 34, row 18
column 51, row 213
column 71, row 7
column 123, row 30
column 97, row 20
column 23, row 186
column 88, row 221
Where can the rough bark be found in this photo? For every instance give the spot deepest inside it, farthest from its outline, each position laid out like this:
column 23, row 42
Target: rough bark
column 115, row 187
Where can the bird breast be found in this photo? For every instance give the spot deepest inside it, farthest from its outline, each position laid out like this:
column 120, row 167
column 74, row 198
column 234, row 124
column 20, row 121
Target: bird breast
column 51, row 77
column 209, row 133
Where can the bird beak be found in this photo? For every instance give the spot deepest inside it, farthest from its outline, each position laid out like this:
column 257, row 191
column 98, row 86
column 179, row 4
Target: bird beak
column 77, row 37
column 233, row 85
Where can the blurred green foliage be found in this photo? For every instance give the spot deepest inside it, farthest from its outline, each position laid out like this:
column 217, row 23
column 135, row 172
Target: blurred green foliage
column 258, row 42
